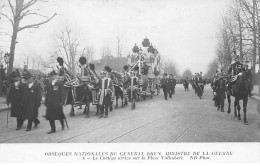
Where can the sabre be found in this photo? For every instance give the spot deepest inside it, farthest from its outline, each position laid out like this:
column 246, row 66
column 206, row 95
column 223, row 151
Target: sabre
column 66, row 123
column 7, row 115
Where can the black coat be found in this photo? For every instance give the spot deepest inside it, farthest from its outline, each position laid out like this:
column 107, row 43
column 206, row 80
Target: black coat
column 32, row 101
column 165, row 83
column 16, row 98
column 172, row 83
column 54, row 101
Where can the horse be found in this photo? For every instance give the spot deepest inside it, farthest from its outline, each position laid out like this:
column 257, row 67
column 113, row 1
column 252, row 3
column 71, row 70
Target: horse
column 240, row 90
column 120, row 91
column 77, row 91
column 91, row 92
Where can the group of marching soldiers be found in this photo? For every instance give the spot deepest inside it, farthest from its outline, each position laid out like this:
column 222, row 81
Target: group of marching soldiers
column 198, row 84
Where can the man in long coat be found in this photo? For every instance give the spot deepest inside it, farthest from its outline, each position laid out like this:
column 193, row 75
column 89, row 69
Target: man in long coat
column 172, row 84
column 54, row 101
column 31, row 100
column 15, row 98
column 165, row 85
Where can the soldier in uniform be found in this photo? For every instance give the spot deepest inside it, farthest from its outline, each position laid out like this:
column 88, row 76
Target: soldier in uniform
column 105, row 85
column 186, row 83
column 111, row 76
column 54, row 101
column 164, row 85
column 32, row 100
column 172, row 84
column 15, row 98
column 134, row 82
column 200, row 81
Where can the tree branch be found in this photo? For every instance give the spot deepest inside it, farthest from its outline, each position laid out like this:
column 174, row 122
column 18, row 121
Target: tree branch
column 37, row 25
column 11, row 6
column 8, row 18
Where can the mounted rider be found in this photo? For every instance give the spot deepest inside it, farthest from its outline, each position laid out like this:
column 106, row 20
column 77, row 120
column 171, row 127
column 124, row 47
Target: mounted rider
column 235, row 69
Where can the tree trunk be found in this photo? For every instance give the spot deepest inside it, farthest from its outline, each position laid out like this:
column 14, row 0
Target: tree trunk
column 254, row 35
column 12, row 47
column 240, row 39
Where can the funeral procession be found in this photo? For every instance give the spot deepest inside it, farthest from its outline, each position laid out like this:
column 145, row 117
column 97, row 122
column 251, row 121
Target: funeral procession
column 138, row 71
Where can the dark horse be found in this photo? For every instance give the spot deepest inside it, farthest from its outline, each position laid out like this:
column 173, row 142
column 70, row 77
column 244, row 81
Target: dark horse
column 240, row 90
column 79, row 90
column 120, row 91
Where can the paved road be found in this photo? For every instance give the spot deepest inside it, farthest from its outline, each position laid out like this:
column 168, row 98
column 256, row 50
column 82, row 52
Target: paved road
column 184, row 118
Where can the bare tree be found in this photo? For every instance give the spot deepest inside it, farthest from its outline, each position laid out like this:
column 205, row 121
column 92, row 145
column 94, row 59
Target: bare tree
column 119, row 48
column 187, row 73
column 21, row 9
column 212, row 67
column 70, row 49
column 106, row 52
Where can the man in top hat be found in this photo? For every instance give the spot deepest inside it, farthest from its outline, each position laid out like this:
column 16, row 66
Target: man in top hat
column 54, row 101
column 106, row 89
column 15, row 98
column 165, row 85
column 32, row 100
column 172, row 84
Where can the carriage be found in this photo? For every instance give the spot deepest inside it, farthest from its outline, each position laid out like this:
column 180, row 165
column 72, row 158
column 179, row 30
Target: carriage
column 148, row 62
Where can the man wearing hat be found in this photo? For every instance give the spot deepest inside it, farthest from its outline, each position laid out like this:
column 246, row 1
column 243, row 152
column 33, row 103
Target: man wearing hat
column 15, row 98
column 164, row 85
column 172, row 84
column 32, row 100
column 106, row 89
column 55, row 98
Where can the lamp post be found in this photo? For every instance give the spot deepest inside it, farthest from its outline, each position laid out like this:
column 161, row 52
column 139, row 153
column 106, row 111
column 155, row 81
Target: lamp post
column 6, row 58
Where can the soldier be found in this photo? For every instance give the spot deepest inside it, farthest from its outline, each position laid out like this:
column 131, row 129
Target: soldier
column 105, row 85
column 172, row 84
column 110, row 75
column 32, row 100
column 15, row 98
column 54, row 101
column 134, row 82
column 186, row 84
column 201, row 82
column 164, row 85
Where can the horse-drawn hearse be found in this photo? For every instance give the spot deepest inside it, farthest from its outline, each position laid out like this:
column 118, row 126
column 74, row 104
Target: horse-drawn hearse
column 146, row 64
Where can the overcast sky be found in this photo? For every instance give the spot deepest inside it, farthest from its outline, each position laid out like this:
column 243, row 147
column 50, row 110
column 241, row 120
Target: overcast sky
column 181, row 30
